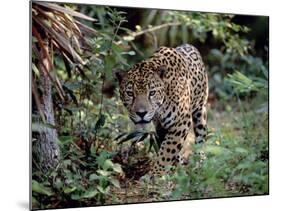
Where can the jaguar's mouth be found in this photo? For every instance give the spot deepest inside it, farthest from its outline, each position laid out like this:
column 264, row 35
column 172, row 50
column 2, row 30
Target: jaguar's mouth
column 140, row 125
column 141, row 122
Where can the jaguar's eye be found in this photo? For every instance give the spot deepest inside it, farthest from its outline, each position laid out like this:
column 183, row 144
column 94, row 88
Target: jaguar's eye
column 152, row 93
column 130, row 93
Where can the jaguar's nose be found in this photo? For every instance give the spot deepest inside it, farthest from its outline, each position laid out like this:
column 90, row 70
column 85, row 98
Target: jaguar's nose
column 141, row 114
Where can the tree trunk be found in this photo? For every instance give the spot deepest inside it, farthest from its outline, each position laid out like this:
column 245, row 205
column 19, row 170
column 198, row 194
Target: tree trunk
column 46, row 147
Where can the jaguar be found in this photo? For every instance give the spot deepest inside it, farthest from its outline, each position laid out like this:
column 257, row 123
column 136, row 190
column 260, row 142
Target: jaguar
column 170, row 89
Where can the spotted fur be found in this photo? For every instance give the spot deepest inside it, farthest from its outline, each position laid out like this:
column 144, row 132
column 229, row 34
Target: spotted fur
column 170, row 89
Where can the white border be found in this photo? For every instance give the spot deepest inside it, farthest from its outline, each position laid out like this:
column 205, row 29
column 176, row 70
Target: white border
column 14, row 87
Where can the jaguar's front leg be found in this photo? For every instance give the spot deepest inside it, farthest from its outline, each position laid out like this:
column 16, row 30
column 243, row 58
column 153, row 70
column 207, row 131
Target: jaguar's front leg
column 169, row 153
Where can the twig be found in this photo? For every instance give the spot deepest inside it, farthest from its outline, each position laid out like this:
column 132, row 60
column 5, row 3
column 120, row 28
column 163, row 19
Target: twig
column 136, row 49
column 113, row 38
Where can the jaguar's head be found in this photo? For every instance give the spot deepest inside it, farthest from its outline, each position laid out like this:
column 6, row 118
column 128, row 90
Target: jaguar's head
column 142, row 91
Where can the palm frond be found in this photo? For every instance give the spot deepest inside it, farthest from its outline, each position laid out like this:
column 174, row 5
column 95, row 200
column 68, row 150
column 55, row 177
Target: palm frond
column 52, row 7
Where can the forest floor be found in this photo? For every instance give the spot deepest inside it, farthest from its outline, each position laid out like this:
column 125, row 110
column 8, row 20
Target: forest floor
column 236, row 163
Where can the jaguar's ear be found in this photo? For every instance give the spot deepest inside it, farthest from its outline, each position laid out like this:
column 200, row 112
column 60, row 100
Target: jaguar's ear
column 119, row 75
column 162, row 71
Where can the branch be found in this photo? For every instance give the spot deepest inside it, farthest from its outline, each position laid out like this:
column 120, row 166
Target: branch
column 149, row 30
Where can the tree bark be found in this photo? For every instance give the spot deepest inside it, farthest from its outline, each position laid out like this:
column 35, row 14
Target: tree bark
column 46, row 148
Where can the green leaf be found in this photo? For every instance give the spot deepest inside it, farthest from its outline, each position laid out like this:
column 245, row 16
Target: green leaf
column 108, row 164
column 39, row 188
column 102, row 157
column 241, row 150
column 105, row 46
column 93, row 150
column 117, row 168
column 116, row 48
column 75, row 196
column 89, row 194
column 103, row 172
column 115, row 182
column 103, row 190
column 66, row 139
column 69, row 189
column 67, row 162
column 244, row 84
column 93, row 177
column 100, row 123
